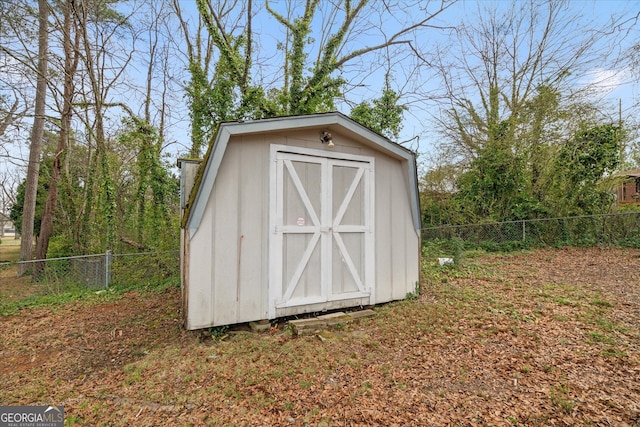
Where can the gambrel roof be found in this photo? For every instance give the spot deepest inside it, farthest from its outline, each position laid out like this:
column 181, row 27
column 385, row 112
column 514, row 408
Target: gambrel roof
column 334, row 121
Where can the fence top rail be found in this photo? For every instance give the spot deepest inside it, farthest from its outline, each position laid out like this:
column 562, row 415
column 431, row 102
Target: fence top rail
column 59, row 259
column 82, row 256
column 520, row 221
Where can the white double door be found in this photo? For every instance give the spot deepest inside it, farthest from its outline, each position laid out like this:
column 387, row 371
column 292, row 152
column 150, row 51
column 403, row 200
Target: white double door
column 321, row 222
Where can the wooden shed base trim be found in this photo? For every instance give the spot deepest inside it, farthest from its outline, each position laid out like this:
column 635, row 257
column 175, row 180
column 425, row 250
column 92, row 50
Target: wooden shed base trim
column 323, row 306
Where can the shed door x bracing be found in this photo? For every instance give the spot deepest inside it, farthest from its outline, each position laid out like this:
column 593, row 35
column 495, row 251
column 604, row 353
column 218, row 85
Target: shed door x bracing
column 322, row 227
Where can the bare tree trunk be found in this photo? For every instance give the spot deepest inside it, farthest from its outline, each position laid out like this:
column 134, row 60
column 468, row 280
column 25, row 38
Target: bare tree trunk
column 37, row 134
column 70, row 65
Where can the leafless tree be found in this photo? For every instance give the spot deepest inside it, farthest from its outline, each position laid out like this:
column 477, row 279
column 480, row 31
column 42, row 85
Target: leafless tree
column 9, row 181
column 501, row 57
column 17, row 67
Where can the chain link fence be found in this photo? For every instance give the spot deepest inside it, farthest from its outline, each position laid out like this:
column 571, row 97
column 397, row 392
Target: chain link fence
column 57, row 275
column 622, row 229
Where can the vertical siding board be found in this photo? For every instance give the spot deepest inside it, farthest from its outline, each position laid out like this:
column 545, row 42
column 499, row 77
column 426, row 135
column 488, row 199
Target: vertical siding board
column 399, row 203
column 253, row 194
column 263, row 257
column 225, row 235
column 383, row 231
column 370, row 218
column 184, row 275
column 274, row 242
column 201, row 248
column 326, row 243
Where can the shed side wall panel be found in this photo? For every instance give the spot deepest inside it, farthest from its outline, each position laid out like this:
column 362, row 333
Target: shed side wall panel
column 253, row 208
column 383, row 232
column 239, row 202
column 397, row 243
column 200, row 289
column 226, row 236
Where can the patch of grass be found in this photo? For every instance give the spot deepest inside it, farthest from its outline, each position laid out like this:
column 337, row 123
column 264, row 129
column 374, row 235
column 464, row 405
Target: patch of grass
column 475, row 253
column 601, row 303
column 261, row 400
column 525, row 369
column 9, row 249
column 72, row 420
column 400, row 385
column 74, row 293
column 134, row 373
column 563, row 301
column 560, row 397
column 561, row 317
column 305, row 384
column 366, row 387
column 338, row 326
column 52, row 299
column 607, row 325
column 597, row 337
column 613, row 352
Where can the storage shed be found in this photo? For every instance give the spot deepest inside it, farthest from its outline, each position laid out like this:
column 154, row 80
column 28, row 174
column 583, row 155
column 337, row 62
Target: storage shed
column 294, row 215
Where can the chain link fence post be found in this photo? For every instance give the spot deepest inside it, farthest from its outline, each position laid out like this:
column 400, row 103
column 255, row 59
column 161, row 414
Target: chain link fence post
column 108, row 258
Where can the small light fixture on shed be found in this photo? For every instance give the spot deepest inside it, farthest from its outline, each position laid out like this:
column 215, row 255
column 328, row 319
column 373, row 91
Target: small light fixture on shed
column 325, row 136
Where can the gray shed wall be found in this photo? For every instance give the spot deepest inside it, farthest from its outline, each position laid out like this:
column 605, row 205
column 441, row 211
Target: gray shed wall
column 228, row 271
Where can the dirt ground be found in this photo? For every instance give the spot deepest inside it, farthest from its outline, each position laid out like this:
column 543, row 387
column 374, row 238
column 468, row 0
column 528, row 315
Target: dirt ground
column 544, row 338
